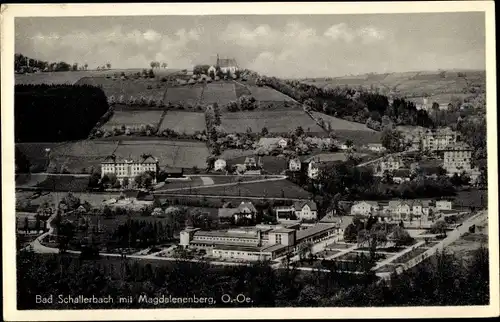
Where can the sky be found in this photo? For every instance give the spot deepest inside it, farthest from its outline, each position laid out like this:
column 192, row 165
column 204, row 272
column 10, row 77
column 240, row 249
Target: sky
column 273, row 45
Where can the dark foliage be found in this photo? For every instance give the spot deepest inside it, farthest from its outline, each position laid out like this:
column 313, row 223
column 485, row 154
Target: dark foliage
column 55, row 113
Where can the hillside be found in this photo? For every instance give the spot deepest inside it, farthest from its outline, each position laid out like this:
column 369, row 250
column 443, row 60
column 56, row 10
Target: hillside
column 412, row 84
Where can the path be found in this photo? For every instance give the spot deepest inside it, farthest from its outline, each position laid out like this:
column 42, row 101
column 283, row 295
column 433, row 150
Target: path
column 222, row 184
column 382, row 157
column 226, row 197
column 36, row 244
column 397, row 255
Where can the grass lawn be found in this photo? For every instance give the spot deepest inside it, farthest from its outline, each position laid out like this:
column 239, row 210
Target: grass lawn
column 65, row 183
column 472, row 198
column 275, row 121
column 236, row 153
column 36, row 152
column 183, row 122
column 270, row 189
column 198, row 181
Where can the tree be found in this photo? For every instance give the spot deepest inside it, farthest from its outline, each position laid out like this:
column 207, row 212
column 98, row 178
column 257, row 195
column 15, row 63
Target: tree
column 439, row 228
column 299, row 131
column 350, row 233
column 392, row 140
column 108, row 65
column 264, row 131
column 400, row 236
column 151, row 74
column 435, row 106
column 71, row 201
column 126, row 182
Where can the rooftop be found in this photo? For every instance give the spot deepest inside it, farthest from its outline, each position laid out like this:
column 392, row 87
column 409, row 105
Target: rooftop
column 316, row 229
column 225, row 233
column 283, row 230
column 300, row 204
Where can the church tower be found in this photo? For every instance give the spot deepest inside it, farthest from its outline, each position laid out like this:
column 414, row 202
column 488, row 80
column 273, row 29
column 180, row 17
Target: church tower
column 217, row 63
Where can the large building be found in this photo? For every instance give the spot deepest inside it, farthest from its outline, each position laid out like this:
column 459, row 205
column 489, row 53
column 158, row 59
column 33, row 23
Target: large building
column 457, row 158
column 262, row 242
column 438, row 140
column 390, row 164
column 129, row 168
column 227, row 65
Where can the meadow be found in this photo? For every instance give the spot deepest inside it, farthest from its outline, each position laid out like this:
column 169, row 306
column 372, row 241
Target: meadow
column 36, row 153
column 178, row 154
column 220, row 93
column 127, row 88
column 183, row 122
column 274, row 121
column 133, row 119
column 187, row 95
column 268, row 94
column 340, row 124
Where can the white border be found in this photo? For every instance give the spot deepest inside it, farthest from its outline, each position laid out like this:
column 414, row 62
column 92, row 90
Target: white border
column 8, row 12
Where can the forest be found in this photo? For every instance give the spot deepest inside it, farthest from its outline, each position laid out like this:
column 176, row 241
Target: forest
column 350, row 104
column 444, row 279
column 56, row 113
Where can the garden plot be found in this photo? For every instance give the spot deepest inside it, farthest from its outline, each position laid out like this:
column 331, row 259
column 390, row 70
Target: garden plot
column 185, row 95
column 274, row 121
column 221, row 93
column 183, row 122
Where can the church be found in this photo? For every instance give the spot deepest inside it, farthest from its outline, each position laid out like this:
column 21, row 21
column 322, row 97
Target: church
column 226, row 65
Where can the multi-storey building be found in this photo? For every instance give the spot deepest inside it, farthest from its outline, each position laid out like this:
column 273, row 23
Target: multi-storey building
column 457, row 158
column 438, row 140
column 129, row 168
column 391, row 164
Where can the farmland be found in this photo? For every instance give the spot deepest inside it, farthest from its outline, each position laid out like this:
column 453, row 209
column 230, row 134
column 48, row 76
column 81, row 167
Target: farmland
column 133, row 119
column 170, row 153
column 54, row 77
column 340, row 124
column 36, row 154
column 220, row 93
column 274, row 121
column 267, row 189
column 188, row 95
column 183, row 122
column 268, row 94
column 127, row 88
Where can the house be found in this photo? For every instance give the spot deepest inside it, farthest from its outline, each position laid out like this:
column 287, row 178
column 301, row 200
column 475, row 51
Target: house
column 312, row 170
column 245, row 213
column 390, row 164
column 174, row 172
column 443, row 205
column 250, row 162
column 401, row 175
column 212, row 71
column 408, row 210
column 306, row 210
column 282, row 143
column 294, row 164
column 376, row 147
column 227, row 65
column 364, row 208
column 285, row 213
column 438, row 140
column 219, row 164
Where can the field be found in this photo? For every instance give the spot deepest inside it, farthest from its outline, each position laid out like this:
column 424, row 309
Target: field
column 65, row 183
column 207, row 181
column 133, row 119
column 268, row 189
column 220, row 93
column 340, row 124
column 472, row 198
column 236, row 153
column 274, row 121
column 189, row 94
column 183, row 122
column 268, row 94
column 358, row 137
column 127, row 88
column 169, row 153
column 54, row 77
column 328, row 157
column 81, row 155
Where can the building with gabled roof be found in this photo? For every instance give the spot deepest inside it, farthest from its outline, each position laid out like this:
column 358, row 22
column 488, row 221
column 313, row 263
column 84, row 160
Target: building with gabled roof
column 307, row 210
column 227, row 65
column 129, row 168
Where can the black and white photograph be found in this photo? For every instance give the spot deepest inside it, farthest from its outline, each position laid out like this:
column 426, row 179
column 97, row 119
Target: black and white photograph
column 194, row 157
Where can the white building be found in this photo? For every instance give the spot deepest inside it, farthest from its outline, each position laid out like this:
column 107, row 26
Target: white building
column 128, row 168
column 282, row 143
column 376, row 147
column 443, row 205
column 390, row 164
column 219, row 164
column 212, row 70
column 295, row 164
column 306, row 210
column 457, row 158
column 364, row 208
column 227, row 65
column 438, row 140
column 312, row 170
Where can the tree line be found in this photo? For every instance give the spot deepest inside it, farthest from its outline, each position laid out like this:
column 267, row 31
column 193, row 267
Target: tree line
column 356, row 105
column 442, row 280
column 55, row 113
